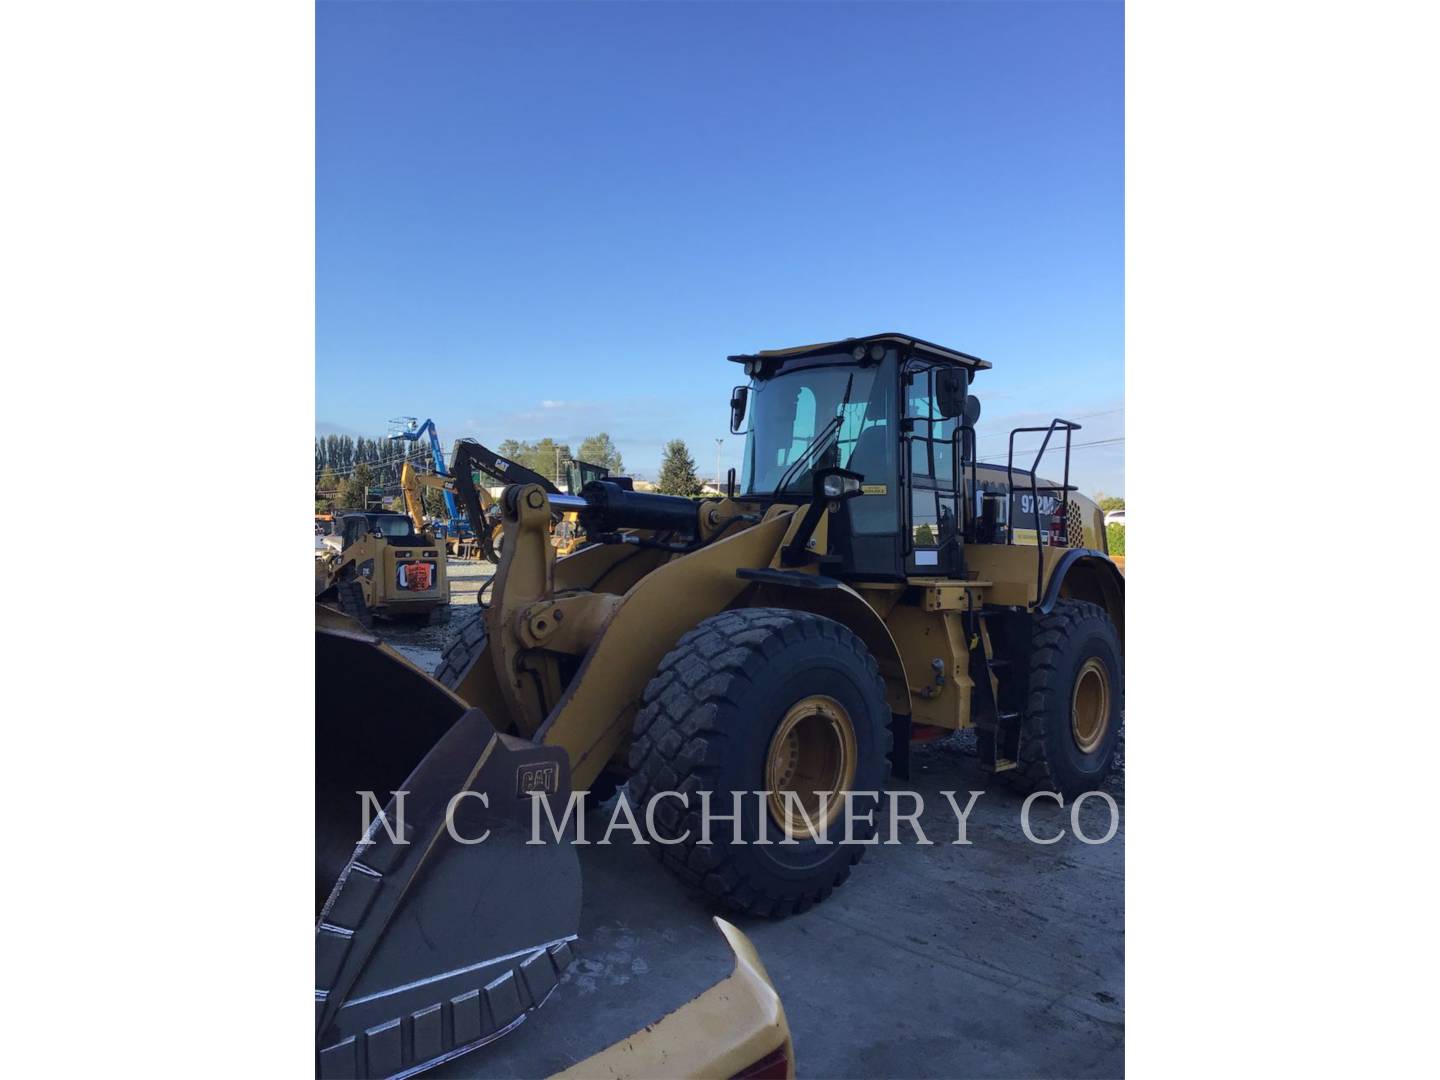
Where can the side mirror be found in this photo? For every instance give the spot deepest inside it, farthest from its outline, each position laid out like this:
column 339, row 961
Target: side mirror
column 950, row 391
column 972, row 412
column 738, row 399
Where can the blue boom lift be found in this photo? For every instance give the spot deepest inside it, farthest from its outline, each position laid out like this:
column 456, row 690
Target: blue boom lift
column 410, row 429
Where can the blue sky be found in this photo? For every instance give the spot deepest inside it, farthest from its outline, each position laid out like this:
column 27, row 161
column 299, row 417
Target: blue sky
column 555, row 219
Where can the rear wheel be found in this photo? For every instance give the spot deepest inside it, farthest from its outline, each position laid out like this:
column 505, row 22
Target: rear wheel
column 1074, row 703
column 770, row 700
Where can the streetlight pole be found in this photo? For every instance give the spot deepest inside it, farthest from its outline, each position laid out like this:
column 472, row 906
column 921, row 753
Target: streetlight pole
column 719, row 444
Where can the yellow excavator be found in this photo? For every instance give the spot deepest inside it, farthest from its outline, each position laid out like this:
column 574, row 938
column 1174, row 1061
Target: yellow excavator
column 482, row 541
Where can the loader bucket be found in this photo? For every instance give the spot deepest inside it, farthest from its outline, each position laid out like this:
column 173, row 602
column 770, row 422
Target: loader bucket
column 437, row 928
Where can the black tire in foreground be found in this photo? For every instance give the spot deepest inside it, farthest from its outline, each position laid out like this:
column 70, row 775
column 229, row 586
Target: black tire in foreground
column 1074, row 701
column 748, row 696
column 459, row 658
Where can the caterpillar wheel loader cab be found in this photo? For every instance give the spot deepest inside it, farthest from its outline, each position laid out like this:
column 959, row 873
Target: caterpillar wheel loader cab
column 381, row 564
column 569, row 534
column 866, row 581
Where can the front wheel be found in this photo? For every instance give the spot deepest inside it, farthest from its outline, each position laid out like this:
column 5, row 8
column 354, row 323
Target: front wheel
column 762, row 700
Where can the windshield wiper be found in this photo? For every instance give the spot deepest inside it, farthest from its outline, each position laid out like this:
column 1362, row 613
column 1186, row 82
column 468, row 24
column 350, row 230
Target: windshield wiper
column 818, row 442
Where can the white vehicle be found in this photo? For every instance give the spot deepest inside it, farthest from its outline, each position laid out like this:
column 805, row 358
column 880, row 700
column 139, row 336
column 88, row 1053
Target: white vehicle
column 1115, row 517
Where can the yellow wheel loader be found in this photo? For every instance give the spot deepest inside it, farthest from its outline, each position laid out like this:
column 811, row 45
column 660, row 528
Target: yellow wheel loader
column 378, row 563
column 867, row 580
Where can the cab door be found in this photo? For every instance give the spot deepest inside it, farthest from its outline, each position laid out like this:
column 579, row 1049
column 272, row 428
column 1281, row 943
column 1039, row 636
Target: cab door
column 932, row 506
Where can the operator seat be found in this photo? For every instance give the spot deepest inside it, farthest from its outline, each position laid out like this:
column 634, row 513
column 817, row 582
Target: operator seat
column 870, row 453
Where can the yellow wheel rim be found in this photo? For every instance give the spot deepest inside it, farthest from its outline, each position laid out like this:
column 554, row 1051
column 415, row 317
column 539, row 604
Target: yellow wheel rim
column 812, row 754
column 1090, row 706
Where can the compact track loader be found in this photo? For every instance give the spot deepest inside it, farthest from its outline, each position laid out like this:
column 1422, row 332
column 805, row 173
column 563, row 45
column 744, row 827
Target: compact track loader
column 381, row 563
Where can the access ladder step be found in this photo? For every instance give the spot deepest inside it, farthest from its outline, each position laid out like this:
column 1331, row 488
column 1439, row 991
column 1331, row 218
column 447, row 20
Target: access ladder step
column 1004, row 721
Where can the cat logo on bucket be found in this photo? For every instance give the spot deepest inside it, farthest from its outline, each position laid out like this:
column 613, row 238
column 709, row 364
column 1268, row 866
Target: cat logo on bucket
column 542, row 778
column 419, row 575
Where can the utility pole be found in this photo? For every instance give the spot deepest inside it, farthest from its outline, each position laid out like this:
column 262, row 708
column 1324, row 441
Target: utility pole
column 719, row 444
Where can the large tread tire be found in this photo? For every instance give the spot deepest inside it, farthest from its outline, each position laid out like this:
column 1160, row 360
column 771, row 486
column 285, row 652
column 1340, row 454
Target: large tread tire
column 705, row 724
column 1061, row 642
column 352, row 602
column 459, row 658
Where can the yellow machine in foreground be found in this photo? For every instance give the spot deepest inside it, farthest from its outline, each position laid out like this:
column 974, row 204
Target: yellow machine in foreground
column 441, row 927
column 736, row 1029
column 380, row 563
column 866, row 582
column 867, row 578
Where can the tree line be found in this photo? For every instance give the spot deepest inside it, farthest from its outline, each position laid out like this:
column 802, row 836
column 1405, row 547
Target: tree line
column 355, row 472
column 548, row 457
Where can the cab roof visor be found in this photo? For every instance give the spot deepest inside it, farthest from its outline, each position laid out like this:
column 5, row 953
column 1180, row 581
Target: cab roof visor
column 764, row 362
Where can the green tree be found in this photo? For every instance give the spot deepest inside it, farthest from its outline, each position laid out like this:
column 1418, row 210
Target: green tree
column 353, row 494
column 513, row 449
column 677, row 471
column 600, row 450
column 538, row 457
column 549, row 459
column 1109, row 502
column 432, row 501
column 1115, row 539
column 327, row 490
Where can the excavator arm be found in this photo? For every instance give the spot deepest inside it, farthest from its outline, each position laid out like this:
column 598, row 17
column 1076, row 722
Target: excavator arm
column 470, row 457
column 412, row 480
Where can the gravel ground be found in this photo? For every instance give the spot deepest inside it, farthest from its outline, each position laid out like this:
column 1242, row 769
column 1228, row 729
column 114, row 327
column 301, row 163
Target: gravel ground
column 1000, row 958
column 423, row 645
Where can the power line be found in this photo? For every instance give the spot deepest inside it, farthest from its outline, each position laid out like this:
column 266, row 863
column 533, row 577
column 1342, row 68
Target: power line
column 421, row 455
